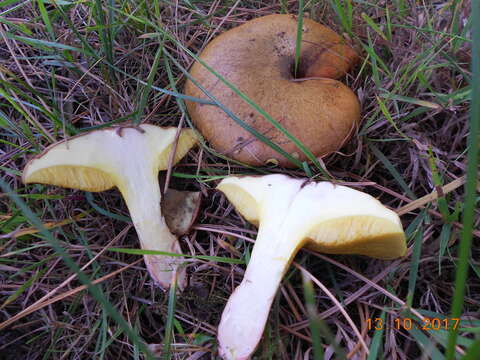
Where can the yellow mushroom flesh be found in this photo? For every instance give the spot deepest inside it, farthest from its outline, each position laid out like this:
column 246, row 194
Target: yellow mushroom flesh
column 291, row 214
column 130, row 160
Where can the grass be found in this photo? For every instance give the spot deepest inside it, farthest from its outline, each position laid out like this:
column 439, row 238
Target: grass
column 68, row 67
column 470, row 188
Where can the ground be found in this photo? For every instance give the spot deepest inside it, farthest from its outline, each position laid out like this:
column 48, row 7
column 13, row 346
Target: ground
column 67, row 67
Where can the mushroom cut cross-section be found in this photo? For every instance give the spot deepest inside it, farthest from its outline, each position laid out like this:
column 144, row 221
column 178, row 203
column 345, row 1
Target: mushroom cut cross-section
column 129, row 159
column 292, row 213
column 258, row 58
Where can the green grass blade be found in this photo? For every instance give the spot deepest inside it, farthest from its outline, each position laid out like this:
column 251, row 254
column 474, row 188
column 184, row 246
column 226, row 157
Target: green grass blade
column 147, row 88
column 164, row 91
column 104, row 34
column 473, row 352
column 444, row 238
column 13, row 8
column 158, row 252
column 412, row 278
column 438, row 183
column 470, row 186
column 389, row 118
column 376, row 341
column 104, row 212
column 374, row 26
column 6, row 3
column 344, row 13
column 313, row 318
column 26, row 130
column 167, row 341
column 46, row 19
column 101, row 344
column 44, row 45
column 426, row 344
column 23, row 287
column 298, row 42
column 393, row 171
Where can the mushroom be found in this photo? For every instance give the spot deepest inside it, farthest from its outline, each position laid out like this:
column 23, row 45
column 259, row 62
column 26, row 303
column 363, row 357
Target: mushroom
column 180, row 209
column 291, row 213
column 258, row 59
column 130, row 159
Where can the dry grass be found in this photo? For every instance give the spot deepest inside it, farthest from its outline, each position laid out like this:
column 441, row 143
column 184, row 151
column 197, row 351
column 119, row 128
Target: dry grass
column 413, row 88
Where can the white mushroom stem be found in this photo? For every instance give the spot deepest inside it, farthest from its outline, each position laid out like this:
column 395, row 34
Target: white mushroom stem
column 291, row 213
column 141, row 192
column 129, row 159
column 246, row 313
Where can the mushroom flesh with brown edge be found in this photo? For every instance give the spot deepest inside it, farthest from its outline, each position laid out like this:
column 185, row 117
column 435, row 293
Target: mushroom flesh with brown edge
column 258, row 59
column 129, row 159
column 291, row 213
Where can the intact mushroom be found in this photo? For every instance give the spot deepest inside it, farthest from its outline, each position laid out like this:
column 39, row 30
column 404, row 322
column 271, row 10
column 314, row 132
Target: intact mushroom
column 258, row 58
column 129, row 159
column 291, row 213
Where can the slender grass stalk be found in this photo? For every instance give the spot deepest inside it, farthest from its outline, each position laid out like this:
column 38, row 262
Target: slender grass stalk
column 454, row 21
column 444, row 239
column 412, row 279
column 391, row 168
column 374, row 26
column 105, row 25
column 104, row 32
column 199, row 257
column 298, row 42
column 473, row 352
column 470, row 186
column 375, row 350
column 437, row 181
column 429, row 347
column 312, row 317
column 147, row 88
column 46, row 19
column 344, row 11
column 167, row 341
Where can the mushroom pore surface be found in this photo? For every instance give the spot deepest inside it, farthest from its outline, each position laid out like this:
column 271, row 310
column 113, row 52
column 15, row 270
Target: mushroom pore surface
column 258, row 58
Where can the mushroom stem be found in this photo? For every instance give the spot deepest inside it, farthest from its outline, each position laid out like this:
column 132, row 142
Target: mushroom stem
column 142, row 195
column 243, row 320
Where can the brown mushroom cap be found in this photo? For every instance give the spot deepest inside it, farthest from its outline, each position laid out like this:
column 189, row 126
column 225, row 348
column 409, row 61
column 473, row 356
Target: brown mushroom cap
column 258, row 58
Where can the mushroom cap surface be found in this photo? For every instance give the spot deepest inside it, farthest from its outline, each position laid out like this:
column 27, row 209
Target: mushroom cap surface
column 258, row 58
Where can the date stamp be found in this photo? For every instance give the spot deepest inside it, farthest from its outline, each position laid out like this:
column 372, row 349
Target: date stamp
column 428, row 324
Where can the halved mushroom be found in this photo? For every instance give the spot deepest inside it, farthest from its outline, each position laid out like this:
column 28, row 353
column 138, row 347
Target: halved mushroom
column 292, row 213
column 130, row 159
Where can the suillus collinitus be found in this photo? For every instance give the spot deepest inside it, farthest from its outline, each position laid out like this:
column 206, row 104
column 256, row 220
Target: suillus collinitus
column 257, row 57
column 129, row 159
column 292, row 213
